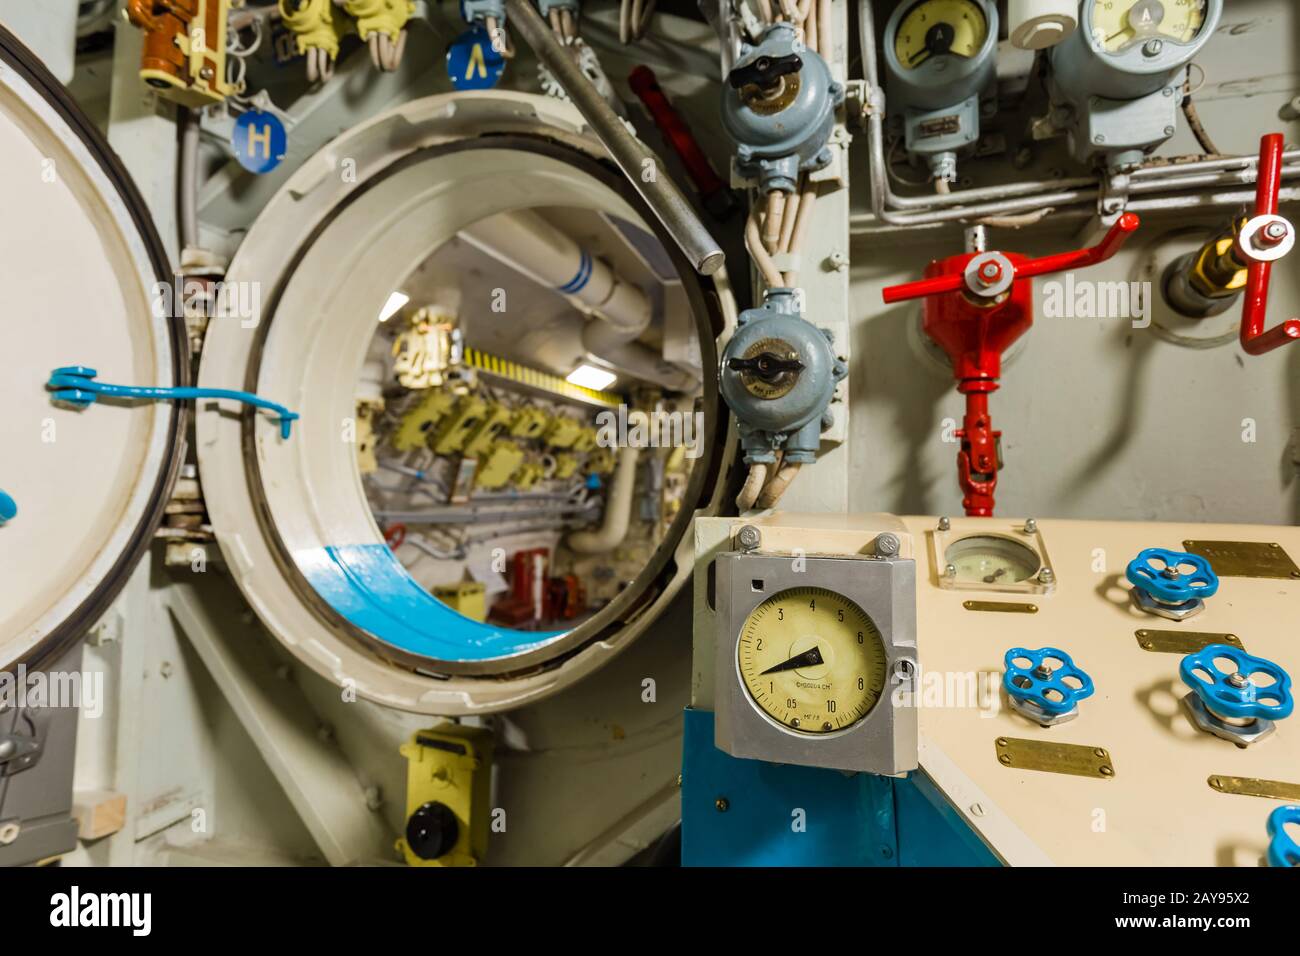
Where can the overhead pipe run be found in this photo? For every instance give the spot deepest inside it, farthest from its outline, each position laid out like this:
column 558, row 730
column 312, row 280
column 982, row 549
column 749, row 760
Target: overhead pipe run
column 1024, row 198
column 533, row 247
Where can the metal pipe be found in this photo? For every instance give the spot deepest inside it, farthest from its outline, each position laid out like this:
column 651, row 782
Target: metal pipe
column 659, row 191
column 1009, row 198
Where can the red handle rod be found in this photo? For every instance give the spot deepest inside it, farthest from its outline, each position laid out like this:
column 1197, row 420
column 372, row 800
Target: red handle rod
column 1110, row 244
column 1254, row 306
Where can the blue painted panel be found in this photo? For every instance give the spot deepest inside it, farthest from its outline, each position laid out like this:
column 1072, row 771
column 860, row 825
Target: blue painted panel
column 368, row 586
column 847, row 819
column 930, row 831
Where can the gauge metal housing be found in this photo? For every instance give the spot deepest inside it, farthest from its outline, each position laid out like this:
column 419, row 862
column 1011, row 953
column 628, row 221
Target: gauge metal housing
column 1082, row 67
column 938, row 102
column 882, row 742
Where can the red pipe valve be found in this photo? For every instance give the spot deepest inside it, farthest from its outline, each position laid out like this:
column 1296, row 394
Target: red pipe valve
column 976, row 306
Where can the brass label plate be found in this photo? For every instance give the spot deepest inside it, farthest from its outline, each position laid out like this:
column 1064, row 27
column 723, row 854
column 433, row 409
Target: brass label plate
column 1254, row 787
column 1018, row 753
column 1182, row 642
column 1006, row 607
column 1245, row 559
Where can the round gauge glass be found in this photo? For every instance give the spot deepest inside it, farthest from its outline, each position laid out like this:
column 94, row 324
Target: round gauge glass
column 992, row 559
column 1118, row 25
column 940, row 28
column 812, row 660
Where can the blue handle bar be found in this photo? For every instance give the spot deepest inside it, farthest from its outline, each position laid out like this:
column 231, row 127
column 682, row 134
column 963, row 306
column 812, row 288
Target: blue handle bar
column 76, row 385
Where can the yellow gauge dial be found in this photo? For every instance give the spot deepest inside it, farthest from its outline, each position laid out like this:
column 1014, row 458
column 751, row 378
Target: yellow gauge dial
column 990, row 559
column 812, row 660
column 1120, row 24
column 938, row 28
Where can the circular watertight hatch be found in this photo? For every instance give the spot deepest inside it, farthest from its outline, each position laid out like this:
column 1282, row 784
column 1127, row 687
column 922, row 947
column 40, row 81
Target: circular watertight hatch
column 80, row 263
column 389, row 310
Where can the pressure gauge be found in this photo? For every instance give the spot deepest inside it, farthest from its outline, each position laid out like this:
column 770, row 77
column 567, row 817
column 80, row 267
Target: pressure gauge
column 1009, row 557
column 940, row 64
column 816, row 660
column 991, row 559
column 812, row 660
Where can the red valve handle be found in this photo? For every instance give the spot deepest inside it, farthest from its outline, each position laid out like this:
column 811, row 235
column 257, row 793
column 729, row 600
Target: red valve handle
column 1254, row 308
column 1110, row 244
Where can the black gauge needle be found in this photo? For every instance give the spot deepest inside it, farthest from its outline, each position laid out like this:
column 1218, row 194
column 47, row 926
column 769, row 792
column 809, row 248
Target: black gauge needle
column 806, row 659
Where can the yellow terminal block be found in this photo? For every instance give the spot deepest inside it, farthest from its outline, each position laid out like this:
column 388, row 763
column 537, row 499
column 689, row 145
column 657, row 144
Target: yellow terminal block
column 586, row 440
column 448, row 778
column 499, row 464
column 367, row 463
column 562, row 432
column 414, row 428
column 380, row 16
column 528, row 475
column 455, row 428
column 315, row 24
column 529, row 422
column 480, row 439
column 468, row 598
column 600, row 462
column 565, row 466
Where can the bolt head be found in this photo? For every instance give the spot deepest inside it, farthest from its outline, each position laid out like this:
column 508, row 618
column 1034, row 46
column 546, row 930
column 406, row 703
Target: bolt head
column 1153, row 47
column 1030, row 526
column 945, row 524
column 887, row 544
column 749, row 537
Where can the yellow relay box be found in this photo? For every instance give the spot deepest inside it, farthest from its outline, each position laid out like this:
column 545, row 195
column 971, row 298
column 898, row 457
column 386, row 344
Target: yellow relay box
column 468, row 598
column 448, row 789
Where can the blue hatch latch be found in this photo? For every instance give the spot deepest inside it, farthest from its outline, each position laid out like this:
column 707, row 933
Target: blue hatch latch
column 75, row 385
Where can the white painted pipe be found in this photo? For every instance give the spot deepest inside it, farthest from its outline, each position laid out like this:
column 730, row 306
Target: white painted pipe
column 640, row 361
column 1038, row 24
column 529, row 244
column 618, row 509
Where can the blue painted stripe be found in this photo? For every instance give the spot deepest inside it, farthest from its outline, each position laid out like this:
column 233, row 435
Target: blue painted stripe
column 368, row 586
column 579, row 281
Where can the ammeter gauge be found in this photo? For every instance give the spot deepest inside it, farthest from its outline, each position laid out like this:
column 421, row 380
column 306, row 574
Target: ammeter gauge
column 816, row 660
column 939, row 57
column 1116, row 81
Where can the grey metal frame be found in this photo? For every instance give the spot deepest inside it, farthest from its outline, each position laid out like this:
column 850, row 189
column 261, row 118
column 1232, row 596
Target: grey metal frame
column 885, row 740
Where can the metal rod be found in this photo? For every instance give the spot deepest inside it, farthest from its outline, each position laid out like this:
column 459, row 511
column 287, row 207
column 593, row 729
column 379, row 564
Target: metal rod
column 659, row 191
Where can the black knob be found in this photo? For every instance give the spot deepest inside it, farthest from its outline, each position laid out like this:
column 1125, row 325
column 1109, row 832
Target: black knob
column 432, row 830
column 764, row 71
column 766, row 366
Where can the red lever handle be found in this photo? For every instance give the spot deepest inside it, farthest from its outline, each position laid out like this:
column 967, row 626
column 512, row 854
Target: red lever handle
column 1110, row 244
column 1254, row 308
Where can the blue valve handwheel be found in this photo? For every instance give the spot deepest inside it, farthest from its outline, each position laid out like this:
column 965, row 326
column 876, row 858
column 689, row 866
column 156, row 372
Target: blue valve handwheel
column 8, row 508
column 1184, row 585
column 1244, row 699
column 1283, row 851
column 1026, row 685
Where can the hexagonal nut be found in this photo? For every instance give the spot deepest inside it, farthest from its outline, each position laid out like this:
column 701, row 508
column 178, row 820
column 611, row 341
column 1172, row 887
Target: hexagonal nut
column 1208, row 722
column 1033, row 712
column 1180, row 612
